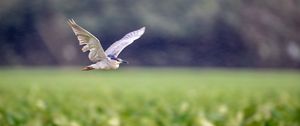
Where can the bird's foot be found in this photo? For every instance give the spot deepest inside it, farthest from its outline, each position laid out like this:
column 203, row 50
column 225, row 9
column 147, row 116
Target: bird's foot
column 87, row 68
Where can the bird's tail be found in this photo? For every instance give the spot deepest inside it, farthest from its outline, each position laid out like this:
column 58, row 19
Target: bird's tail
column 87, row 68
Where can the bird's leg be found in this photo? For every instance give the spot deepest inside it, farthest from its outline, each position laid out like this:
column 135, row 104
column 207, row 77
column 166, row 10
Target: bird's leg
column 87, row 68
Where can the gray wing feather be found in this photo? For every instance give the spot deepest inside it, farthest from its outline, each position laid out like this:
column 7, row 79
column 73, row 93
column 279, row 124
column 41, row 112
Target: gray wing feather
column 90, row 42
column 116, row 48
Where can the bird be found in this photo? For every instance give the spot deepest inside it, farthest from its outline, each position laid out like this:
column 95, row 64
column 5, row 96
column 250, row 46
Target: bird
column 103, row 60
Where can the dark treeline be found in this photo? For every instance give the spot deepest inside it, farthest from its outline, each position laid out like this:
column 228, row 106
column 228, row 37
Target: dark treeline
column 208, row 33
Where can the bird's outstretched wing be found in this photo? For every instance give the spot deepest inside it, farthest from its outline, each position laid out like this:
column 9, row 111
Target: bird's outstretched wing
column 116, row 48
column 90, row 42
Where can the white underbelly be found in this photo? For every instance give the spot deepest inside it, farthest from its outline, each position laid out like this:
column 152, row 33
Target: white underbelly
column 107, row 65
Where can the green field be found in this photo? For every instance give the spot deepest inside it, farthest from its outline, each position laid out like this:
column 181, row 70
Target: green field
column 149, row 97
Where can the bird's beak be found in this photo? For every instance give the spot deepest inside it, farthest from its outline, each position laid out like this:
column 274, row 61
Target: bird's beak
column 123, row 61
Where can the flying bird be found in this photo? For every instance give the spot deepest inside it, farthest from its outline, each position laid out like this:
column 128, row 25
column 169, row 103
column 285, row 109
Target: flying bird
column 108, row 59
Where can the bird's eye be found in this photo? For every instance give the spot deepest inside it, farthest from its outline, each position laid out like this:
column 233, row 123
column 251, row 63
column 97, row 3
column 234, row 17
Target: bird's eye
column 113, row 58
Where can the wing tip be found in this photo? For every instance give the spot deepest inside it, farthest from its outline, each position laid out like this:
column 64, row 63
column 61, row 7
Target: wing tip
column 71, row 22
column 142, row 29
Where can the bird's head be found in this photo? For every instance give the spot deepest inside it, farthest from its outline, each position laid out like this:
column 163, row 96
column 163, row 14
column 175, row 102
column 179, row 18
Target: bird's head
column 118, row 60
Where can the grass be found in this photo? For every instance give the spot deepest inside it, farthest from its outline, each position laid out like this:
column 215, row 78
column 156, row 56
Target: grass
column 149, row 97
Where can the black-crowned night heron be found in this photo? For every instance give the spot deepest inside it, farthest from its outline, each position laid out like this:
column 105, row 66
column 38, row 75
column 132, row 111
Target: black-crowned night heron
column 103, row 60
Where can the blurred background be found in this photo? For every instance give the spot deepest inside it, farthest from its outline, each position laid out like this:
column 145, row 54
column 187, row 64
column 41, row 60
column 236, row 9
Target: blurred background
column 204, row 33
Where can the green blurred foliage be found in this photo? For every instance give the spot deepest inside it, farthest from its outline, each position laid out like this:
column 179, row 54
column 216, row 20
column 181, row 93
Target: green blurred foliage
column 159, row 97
